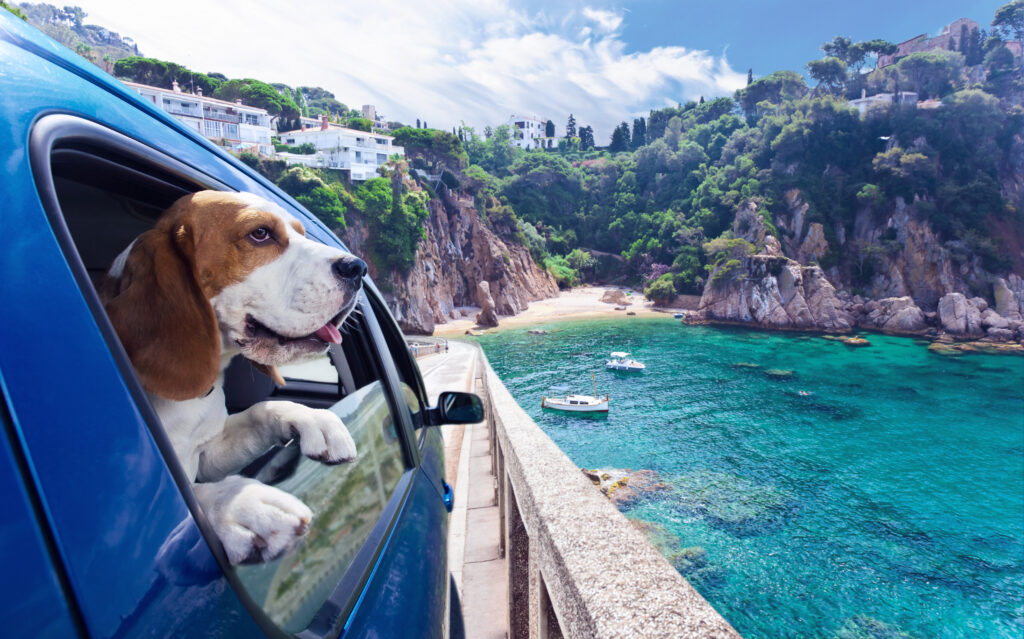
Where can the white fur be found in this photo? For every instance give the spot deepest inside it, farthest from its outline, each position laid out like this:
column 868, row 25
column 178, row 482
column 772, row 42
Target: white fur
column 294, row 295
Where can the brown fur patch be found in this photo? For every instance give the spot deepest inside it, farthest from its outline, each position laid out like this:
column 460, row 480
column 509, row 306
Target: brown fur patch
column 297, row 225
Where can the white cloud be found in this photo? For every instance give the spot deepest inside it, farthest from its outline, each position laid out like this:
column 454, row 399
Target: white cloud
column 609, row 21
column 442, row 62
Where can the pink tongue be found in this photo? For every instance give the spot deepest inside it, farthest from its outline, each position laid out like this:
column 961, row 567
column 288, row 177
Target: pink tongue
column 329, row 333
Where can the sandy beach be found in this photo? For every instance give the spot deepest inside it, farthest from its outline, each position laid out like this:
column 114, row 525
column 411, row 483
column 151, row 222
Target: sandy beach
column 583, row 302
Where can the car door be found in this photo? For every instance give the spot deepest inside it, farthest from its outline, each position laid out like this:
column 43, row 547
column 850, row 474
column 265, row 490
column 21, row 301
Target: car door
column 90, row 167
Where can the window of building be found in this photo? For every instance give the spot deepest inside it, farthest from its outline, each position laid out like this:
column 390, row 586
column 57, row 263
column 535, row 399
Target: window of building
column 211, row 129
column 382, row 158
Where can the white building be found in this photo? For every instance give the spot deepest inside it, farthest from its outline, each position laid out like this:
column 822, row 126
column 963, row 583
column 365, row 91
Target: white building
column 358, row 152
column 907, row 98
column 243, row 128
column 529, row 133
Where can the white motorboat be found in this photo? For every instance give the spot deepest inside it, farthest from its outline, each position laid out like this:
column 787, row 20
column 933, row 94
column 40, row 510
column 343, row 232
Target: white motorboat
column 578, row 403
column 621, row 361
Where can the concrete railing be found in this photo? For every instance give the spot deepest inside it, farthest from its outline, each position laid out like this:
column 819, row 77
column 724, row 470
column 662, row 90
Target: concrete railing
column 576, row 566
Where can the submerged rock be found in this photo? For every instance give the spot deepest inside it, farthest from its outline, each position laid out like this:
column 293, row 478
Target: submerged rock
column 730, row 502
column 779, row 373
column 624, row 486
column 865, row 627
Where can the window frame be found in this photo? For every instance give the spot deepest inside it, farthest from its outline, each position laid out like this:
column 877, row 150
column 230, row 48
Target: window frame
column 55, row 130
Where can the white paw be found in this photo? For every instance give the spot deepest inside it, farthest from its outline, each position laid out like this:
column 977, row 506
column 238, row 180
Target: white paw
column 255, row 522
column 322, row 435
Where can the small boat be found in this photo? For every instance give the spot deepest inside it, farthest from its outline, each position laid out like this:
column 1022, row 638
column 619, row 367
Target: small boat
column 678, row 316
column 578, row 403
column 621, row 361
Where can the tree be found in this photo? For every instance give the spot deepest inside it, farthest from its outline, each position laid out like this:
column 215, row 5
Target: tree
column 639, row 132
column 549, row 129
column 13, row 9
column 418, row 124
column 775, row 88
column 1009, row 21
column 259, row 94
column 750, row 76
column 586, row 138
column 580, row 260
column 930, row 73
column 829, row 72
column 661, row 290
column 620, row 139
column 570, row 127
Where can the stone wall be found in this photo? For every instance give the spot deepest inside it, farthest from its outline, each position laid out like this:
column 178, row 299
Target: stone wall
column 577, row 568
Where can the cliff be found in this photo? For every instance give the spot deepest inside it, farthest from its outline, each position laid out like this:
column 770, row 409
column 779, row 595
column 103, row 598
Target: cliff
column 888, row 273
column 458, row 253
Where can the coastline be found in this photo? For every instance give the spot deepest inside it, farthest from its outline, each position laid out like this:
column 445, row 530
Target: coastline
column 584, row 303
column 580, row 303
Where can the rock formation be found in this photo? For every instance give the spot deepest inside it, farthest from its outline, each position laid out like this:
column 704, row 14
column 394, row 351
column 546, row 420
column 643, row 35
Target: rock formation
column 458, row 253
column 918, row 287
column 775, row 292
column 615, row 296
column 486, row 317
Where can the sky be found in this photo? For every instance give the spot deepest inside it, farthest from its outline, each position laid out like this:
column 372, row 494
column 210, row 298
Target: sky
column 448, row 62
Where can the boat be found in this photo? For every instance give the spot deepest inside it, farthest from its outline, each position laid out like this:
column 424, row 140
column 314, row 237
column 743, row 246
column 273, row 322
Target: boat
column 578, row 403
column 621, row 361
column 678, row 316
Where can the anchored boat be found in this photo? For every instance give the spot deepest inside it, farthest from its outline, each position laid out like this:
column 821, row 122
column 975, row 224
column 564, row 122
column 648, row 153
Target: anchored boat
column 620, row 361
column 578, row 403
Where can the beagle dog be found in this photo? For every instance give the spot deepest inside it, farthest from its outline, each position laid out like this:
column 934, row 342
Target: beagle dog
column 222, row 274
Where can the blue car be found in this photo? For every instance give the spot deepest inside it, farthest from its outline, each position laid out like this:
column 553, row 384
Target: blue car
column 101, row 534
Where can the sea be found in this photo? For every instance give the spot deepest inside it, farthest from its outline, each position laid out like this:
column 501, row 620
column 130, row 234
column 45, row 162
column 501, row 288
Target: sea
column 812, row 489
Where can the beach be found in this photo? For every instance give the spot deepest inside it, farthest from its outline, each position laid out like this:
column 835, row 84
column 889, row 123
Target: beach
column 582, row 302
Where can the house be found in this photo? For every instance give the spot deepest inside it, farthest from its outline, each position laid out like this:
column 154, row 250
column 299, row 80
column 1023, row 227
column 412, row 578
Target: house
column 907, row 98
column 357, row 152
column 379, row 123
column 232, row 124
column 529, row 132
column 923, row 43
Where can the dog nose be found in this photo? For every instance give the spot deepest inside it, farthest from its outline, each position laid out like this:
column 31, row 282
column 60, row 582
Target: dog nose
column 349, row 268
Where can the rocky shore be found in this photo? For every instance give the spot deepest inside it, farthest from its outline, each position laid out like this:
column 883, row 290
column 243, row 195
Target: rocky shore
column 920, row 286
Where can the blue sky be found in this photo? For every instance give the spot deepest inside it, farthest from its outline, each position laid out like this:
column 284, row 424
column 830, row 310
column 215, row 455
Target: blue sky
column 479, row 61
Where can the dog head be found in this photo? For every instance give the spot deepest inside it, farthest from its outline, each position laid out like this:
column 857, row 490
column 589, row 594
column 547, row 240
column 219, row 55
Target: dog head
column 222, row 273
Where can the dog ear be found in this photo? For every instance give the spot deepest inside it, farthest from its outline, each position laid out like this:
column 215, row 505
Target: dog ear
column 166, row 324
column 269, row 371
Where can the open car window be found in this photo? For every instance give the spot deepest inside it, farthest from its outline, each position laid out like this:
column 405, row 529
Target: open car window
column 101, row 191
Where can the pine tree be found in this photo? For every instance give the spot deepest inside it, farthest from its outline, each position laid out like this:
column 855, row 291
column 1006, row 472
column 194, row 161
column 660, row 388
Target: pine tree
column 570, row 127
column 418, row 123
column 639, row 132
column 701, row 100
column 586, row 138
column 620, row 139
column 750, row 76
column 549, row 129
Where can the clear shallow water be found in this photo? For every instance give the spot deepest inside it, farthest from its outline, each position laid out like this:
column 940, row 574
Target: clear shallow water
column 888, row 500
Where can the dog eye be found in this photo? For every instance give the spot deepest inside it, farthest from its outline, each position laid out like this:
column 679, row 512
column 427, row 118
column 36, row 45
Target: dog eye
column 260, row 235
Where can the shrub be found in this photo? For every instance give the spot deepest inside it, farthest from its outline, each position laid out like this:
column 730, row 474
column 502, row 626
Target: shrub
column 661, row 290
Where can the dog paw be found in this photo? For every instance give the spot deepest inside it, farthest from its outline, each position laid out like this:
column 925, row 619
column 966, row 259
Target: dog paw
column 322, row 435
column 255, row 522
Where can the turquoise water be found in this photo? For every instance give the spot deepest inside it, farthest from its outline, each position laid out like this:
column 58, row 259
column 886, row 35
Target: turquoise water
column 886, row 502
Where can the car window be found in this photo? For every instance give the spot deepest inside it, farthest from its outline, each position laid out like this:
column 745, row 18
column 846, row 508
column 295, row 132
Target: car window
column 106, row 196
column 347, row 500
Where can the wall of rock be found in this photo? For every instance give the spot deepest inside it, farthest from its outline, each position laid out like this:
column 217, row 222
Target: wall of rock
column 918, row 287
column 458, row 253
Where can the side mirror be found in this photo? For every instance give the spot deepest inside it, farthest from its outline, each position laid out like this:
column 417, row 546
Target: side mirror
column 455, row 407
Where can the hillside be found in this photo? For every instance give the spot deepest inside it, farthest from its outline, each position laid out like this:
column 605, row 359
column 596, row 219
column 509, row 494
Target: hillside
column 66, row 25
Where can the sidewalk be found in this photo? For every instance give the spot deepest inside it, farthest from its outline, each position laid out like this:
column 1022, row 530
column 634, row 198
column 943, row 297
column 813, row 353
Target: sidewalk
column 474, row 555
